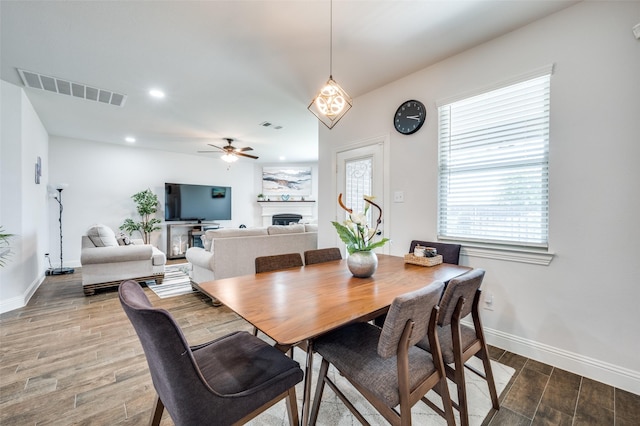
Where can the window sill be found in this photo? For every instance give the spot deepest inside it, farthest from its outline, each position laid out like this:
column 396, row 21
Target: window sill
column 509, row 254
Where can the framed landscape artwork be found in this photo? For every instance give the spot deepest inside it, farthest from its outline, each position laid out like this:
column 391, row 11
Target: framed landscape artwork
column 292, row 181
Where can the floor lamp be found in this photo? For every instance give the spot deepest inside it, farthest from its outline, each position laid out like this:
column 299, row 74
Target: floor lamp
column 61, row 270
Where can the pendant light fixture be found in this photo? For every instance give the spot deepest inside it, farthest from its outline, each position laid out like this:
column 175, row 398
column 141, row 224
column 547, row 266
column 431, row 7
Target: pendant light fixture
column 332, row 102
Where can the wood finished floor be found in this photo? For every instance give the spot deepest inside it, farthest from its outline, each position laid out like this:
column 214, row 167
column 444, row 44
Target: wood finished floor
column 70, row 359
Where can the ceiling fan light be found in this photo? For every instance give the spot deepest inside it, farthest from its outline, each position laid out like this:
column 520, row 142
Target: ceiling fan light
column 331, row 103
column 229, row 158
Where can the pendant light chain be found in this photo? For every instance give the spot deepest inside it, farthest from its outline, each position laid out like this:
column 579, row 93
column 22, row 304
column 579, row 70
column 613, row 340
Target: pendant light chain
column 332, row 102
column 331, row 39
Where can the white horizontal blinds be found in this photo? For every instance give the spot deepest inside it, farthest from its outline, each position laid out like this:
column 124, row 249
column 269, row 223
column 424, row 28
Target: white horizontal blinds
column 494, row 178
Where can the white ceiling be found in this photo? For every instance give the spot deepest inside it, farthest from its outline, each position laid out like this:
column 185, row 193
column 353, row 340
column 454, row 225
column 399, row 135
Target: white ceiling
column 228, row 66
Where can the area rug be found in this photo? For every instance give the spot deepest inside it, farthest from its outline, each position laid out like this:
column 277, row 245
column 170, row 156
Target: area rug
column 176, row 282
column 334, row 413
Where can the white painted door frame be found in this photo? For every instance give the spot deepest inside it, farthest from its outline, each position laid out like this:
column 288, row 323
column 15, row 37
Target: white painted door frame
column 377, row 148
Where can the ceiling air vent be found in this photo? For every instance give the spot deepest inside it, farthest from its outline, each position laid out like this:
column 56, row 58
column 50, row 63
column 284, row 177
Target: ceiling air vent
column 70, row 88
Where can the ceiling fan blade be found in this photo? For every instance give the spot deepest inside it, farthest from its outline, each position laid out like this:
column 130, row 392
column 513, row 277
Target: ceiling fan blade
column 215, row 146
column 246, row 148
column 246, row 155
column 205, row 151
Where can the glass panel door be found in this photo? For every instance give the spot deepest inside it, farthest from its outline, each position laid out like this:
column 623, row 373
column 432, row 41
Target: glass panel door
column 360, row 172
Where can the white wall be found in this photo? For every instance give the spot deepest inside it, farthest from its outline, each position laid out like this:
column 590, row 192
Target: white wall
column 22, row 202
column 103, row 177
column 581, row 311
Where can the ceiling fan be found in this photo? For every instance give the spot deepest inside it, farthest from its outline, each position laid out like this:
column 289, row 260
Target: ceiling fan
column 231, row 153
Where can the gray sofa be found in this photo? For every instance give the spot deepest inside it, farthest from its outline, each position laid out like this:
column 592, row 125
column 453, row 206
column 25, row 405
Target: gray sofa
column 106, row 262
column 232, row 252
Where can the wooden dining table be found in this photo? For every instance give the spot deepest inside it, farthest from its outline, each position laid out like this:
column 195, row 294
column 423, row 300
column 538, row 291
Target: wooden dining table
column 293, row 306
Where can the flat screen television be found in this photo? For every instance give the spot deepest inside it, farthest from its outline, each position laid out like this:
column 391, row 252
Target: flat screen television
column 189, row 202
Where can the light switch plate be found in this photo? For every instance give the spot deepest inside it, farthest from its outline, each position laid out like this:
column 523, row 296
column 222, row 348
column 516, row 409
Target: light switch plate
column 398, row 197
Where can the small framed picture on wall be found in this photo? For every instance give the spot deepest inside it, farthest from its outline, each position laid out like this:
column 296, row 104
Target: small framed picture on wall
column 38, row 170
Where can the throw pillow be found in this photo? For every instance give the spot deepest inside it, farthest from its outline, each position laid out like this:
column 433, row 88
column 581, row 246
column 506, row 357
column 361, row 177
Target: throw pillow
column 102, row 236
column 123, row 239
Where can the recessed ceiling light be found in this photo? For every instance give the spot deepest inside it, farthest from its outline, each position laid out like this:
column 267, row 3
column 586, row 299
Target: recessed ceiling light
column 282, row 158
column 130, row 139
column 156, row 93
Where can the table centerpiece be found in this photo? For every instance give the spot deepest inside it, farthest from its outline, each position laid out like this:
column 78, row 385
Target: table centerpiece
column 359, row 237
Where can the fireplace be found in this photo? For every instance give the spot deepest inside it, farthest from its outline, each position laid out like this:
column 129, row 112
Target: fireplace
column 306, row 209
column 285, row 218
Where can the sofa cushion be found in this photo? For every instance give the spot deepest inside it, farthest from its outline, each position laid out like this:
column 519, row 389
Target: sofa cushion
column 285, row 229
column 235, row 232
column 102, row 236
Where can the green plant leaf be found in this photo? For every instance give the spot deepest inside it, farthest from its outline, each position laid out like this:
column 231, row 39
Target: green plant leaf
column 345, row 235
column 377, row 244
column 147, row 206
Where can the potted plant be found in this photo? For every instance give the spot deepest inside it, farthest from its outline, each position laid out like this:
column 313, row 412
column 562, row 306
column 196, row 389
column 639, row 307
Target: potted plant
column 147, row 205
column 4, row 245
column 358, row 236
column 261, row 197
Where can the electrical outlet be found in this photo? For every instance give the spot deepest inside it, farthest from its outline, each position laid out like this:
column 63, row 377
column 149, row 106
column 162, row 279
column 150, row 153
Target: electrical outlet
column 488, row 301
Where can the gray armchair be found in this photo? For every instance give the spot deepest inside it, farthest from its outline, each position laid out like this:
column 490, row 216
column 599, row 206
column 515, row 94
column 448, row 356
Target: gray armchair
column 106, row 262
column 226, row 381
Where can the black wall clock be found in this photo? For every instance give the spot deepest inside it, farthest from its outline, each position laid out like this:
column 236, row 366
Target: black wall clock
column 409, row 117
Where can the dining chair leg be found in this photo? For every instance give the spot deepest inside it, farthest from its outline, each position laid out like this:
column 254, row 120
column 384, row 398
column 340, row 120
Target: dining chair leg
column 158, row 409
column 324, row 368
column 483, row 354
column 488, row 372
column 446, row 401
column 458, row 373
column 255, row 331
column 292, row 407
column 462, row 393
column 308, row 372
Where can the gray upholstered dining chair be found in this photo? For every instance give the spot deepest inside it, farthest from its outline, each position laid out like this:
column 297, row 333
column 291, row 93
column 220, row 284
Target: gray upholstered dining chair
column 459, row 342
column 277, row 262
column 322, row 255
column 383, row 364
column 226, row 381
column 450, row 252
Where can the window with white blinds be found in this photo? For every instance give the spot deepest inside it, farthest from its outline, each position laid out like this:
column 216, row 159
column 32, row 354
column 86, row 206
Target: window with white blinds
column 493, row 166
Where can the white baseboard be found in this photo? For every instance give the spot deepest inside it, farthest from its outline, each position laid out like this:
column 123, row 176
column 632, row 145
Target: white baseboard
column 619, row 377
column 21, row 301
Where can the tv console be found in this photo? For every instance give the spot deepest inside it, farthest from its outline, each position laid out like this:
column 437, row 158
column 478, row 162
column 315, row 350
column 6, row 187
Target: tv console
column 181, row 236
